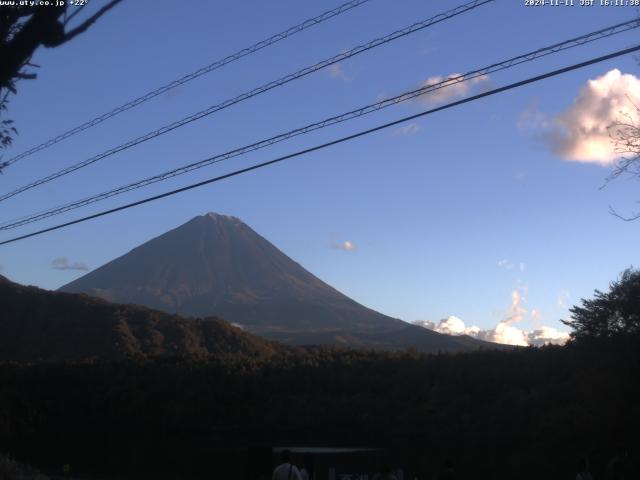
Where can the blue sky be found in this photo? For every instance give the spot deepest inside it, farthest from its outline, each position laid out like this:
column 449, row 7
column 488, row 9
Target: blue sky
column 449, row 216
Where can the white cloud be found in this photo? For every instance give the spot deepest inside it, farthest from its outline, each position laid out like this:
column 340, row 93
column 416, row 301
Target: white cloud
column 536, row 317
column 516, row 311
column 409, row 129
column 452, row 88
column 505, row 331
column 581, row 133
column 507, row 265
column 452, row 325
column 346, row 245
column 336, row 71
column 563, row 299
column 545, row 335
column 63, row 263
column 425, row 324
column 502, row 333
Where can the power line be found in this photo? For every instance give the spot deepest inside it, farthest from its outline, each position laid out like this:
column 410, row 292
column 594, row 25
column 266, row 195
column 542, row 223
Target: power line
column 495, row 91
column 505, row 64
column 191, row 76
column 256, row 91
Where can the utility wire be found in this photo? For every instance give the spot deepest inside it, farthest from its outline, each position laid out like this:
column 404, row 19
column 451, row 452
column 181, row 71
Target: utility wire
column 191, row 76
column 256, row 91
column 503, row 65
column 495, row 91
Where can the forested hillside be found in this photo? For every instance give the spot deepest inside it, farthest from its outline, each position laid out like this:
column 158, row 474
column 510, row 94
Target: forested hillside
column 527, row 413
column 36, row 324
column 494, row 412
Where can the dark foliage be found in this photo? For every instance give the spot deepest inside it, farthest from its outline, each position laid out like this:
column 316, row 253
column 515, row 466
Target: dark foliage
column 37, row 324
column 7, row 130
column 172, row 399
column 495, row 411
column 610, row 313
column 24, row 29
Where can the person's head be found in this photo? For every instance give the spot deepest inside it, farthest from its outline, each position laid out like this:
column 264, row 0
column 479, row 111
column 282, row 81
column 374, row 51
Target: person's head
column 285, row 456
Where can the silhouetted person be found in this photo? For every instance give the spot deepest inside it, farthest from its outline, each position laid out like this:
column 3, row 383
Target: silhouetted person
column 286, row 470
column 307, row 472
column 448, row 471
column 385, row 474
column 582, row 470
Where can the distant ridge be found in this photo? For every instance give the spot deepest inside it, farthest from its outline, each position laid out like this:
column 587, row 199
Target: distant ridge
column 217, row 265
column 37, row 324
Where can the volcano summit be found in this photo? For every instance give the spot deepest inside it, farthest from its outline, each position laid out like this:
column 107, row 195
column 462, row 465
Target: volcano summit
column 217, row 265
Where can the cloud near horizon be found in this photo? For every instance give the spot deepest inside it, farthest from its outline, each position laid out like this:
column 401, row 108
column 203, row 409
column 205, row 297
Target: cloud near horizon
column 452, row 325
column 581, row 132
column 505, row 331
column 453, row 88
column 63, row 263
column 502, row 333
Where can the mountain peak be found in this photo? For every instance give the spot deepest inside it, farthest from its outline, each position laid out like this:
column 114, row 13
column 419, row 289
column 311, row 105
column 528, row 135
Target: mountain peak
column 209, row 264
column 217, row 265
column 219, row 217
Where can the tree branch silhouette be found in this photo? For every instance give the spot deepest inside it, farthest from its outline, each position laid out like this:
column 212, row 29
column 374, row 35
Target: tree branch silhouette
column 625, row 136
column 24, row 29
